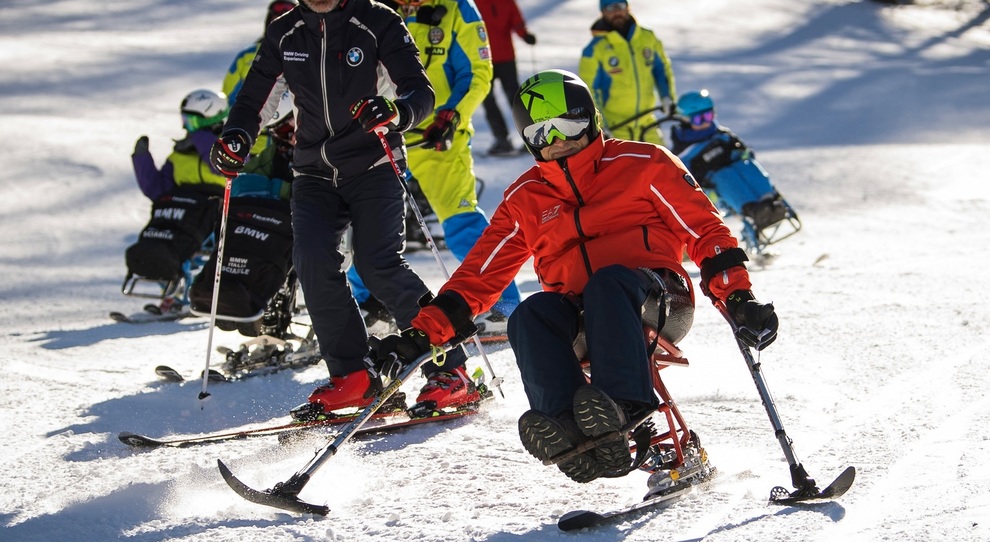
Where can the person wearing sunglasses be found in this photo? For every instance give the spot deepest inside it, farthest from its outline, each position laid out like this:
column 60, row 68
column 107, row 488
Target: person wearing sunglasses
column 605, row 222
column 626, row 68
column 724, row 165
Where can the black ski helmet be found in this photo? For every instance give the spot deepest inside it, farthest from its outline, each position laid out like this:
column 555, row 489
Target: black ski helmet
column 550, row 94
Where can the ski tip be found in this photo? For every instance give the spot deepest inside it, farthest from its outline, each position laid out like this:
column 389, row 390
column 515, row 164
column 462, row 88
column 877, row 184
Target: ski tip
column 168, row 374
column 836, row 489
column 271, row 497
column 578, row 519
column 137, row 441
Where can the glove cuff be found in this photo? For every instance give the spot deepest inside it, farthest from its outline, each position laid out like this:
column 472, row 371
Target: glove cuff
column 403, row 116
column 449, row 115
column 419, row 337
column 457, row 311
column 723, row 261
column 239, row 133
column 737, row 299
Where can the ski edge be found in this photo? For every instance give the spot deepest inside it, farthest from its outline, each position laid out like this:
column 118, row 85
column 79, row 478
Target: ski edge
column 582, row 519
column 135, row 440
column 146, row 318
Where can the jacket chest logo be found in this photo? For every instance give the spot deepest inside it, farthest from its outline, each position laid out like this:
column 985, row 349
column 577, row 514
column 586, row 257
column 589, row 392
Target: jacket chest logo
column 613, row 65
column 435, row 35
column 355, row 56
column 294, row 56
column 550, row 214
column 648, row 55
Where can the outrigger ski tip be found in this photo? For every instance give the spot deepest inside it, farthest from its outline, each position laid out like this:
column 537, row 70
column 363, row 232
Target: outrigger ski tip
column 836, row 489
column 283, row 495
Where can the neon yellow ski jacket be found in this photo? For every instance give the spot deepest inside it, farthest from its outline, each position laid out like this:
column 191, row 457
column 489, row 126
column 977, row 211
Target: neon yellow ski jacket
column 623, row 75
column 453, row 45
column 454, row 48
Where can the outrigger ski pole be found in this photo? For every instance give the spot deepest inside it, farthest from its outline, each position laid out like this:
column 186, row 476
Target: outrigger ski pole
column 805, row 488
column 285, row 495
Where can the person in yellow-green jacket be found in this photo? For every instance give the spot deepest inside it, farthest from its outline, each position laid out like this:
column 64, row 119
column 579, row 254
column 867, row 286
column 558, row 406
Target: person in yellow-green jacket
column 626, row 67
column 238, row 70
column 203, row 112
column 183, row 196
column 455, row 50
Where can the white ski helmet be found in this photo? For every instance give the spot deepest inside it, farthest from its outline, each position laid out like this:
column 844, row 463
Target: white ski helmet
column 203, row 109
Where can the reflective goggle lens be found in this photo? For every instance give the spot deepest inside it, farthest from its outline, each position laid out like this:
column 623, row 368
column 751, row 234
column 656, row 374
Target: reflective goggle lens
column 618, row 6
column 702, row 118
column 542, row 134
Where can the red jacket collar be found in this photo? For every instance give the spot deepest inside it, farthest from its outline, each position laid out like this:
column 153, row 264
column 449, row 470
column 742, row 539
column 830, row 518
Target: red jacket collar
column 582, row 165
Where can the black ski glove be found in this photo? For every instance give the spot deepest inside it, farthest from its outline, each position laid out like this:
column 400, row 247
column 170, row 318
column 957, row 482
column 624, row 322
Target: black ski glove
column 230, row 152
column 141, row 146
column 757, row 322
column 373, row 112
column 440, row 134
column 530, row 39
column 392, row 353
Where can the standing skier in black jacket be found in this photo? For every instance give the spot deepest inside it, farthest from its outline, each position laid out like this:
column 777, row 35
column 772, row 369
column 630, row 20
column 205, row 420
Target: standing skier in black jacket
column 352, row 67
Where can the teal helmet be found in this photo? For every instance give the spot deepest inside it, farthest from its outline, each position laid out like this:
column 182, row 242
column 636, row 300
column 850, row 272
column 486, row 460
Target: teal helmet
column 691, row 103
column 554, row 94
column 203, row 109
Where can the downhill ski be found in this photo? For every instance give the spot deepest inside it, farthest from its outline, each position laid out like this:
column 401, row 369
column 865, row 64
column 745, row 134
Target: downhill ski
column 146, row 317
column 289, row 430
column 580, row 519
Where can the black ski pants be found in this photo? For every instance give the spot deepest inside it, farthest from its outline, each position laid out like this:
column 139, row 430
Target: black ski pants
column 321, row 212
column 543, row 328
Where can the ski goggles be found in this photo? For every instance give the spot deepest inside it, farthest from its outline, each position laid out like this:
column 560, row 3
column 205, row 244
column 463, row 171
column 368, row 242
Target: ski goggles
column 617, row 6
column 570, row 126
column 703, row 118
column 193, row 121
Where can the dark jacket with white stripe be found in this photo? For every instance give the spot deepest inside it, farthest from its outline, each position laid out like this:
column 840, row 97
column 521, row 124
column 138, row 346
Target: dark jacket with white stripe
column 329, row 61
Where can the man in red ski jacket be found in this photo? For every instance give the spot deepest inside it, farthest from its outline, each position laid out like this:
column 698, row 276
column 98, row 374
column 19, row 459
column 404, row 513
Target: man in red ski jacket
column 606, row 222
column 502, row 19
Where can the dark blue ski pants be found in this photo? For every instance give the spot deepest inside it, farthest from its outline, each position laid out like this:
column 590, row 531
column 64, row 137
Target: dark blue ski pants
column 373, row 203
column 543, row 328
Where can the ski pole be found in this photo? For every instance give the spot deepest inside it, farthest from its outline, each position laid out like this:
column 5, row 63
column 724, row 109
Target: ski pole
column 285, row 495
column 380, row 132
column 203, row 394
column 799, row 476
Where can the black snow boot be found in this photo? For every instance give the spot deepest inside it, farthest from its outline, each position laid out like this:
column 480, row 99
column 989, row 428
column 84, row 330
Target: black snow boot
column 597, row 414
column 545, row 436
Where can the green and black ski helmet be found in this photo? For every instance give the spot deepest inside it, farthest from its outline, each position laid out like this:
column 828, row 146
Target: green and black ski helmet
column 552, row 94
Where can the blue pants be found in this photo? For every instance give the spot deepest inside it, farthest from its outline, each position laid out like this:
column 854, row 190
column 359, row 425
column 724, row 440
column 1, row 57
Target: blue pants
column 542, row 332
column 321, row 212
column 739, row 183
